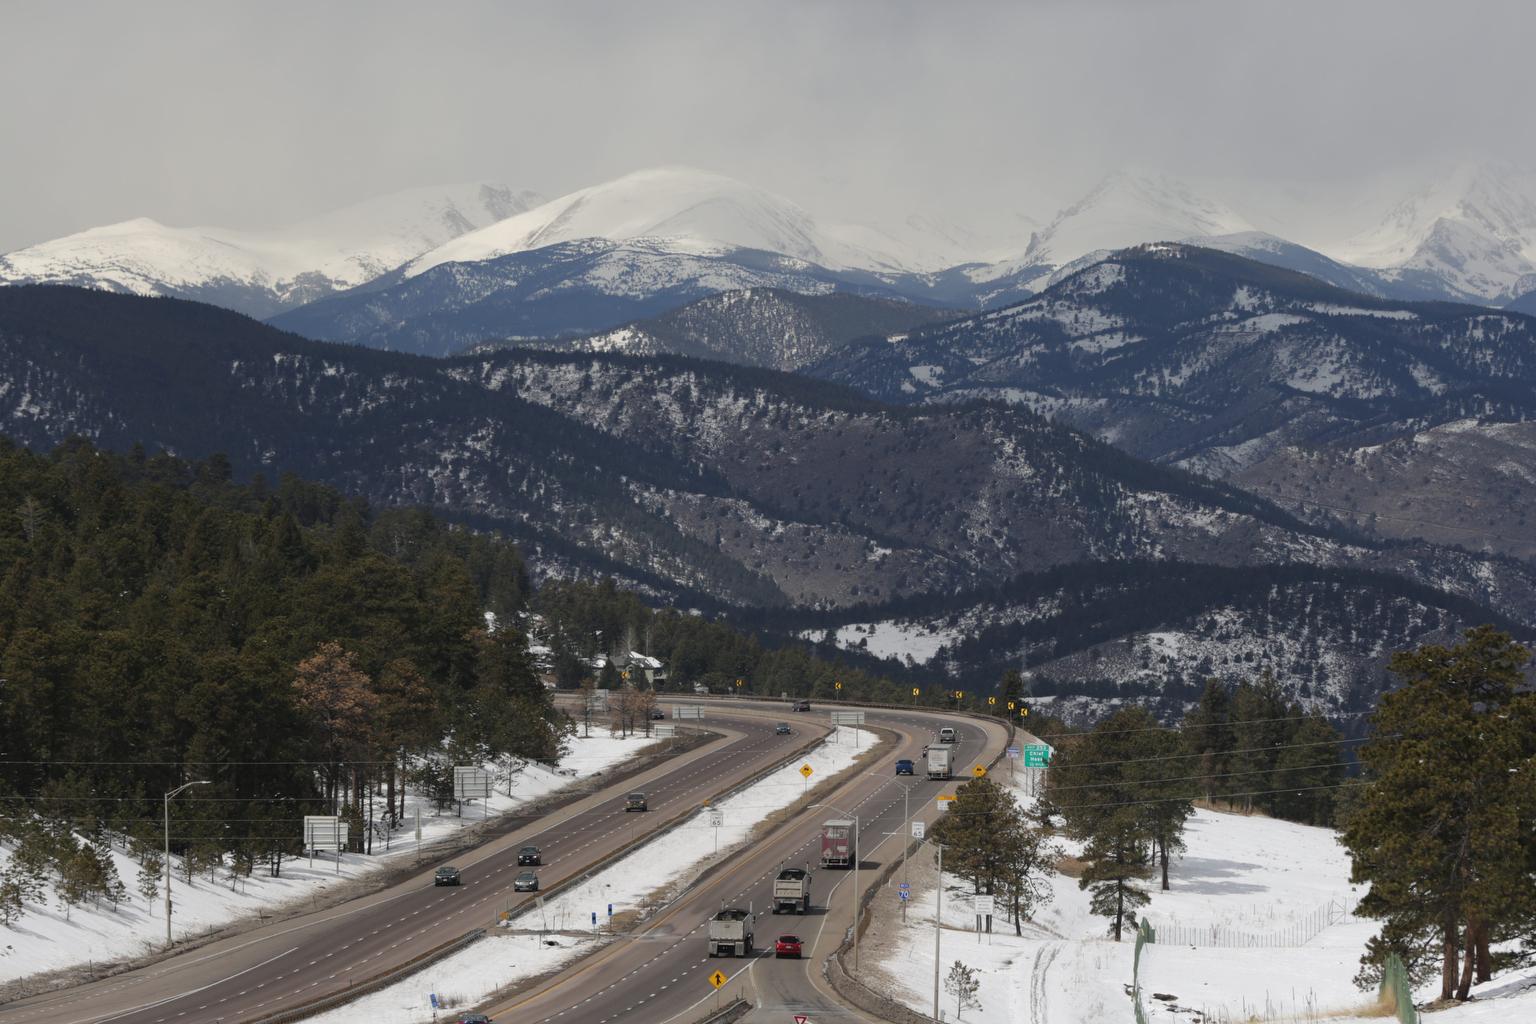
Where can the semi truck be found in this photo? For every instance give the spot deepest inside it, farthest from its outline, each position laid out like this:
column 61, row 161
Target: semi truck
column 837, row 843
column 792, row 891
column 730, row 933
column 940, row 761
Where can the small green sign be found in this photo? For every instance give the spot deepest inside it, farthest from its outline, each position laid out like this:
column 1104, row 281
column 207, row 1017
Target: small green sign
column 1036, row 755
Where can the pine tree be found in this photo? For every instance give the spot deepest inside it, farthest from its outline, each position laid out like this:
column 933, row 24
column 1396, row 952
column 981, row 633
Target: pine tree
column 1440, row 829
column 962, row 983
column 151, row 869
column 1120, row 796
column 1115, row 863
column 13, row 902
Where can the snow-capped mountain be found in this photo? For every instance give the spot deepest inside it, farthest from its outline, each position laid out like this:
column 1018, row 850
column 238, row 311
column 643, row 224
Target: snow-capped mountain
column 693, row 212
column 1124, row 209
column 261, row 272
column 1472, row 235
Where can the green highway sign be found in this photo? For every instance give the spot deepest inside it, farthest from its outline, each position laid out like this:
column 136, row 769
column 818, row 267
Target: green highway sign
column 1036, row 755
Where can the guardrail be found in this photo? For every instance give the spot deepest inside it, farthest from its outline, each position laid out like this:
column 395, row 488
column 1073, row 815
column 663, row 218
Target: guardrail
column 732, row 1011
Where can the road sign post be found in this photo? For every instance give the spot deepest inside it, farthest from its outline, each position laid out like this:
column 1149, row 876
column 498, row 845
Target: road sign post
column 806, row 771
column 985, row 904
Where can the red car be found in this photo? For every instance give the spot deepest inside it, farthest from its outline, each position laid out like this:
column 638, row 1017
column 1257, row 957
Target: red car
column 787, row 945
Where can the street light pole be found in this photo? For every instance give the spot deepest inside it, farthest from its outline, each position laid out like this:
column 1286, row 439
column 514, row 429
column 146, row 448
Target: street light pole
column 168, row 872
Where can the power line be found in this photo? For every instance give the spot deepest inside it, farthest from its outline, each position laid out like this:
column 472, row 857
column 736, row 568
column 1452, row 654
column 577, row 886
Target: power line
column 1190, row 778
column 1234, row 723
column 1228, row 753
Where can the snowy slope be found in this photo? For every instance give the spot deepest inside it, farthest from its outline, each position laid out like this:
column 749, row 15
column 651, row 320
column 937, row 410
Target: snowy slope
column 264, row 271
column 697, row 213
column 1474, row 230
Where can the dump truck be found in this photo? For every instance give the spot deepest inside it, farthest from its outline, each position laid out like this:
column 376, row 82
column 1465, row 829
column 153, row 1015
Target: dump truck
column 730, row 933
column 837, row 843
column 940, row 763
column 792, row 891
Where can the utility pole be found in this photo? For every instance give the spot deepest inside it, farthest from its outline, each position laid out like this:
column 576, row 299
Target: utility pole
column 168, row 872
column 938, row 908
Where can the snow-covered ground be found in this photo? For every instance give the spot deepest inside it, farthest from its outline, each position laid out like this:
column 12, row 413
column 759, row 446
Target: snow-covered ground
column 890, row 639
column 643, row 880
column 48, row 937
column 1280, row 887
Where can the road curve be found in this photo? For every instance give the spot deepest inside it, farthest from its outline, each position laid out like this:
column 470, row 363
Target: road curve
column 659, row 974
column 302, row 959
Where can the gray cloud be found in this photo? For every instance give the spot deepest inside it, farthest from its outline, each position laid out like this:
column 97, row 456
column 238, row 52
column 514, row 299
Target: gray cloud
column 199, row 113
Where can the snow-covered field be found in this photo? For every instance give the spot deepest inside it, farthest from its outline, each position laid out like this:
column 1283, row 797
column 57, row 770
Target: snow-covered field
column 49, row 937
column 649, row 877
column 1280, row 886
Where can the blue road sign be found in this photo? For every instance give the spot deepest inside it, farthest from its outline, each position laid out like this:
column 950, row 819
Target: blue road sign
column 610, row 910
column 904, row 895
column 594, row 918
column 433, row 998
column 903, row 885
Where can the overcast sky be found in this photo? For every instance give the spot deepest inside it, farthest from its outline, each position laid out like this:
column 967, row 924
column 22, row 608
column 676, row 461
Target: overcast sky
column 264, row 113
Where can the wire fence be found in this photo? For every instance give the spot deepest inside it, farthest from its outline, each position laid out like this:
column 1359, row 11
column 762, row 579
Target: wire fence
column 1299, row 932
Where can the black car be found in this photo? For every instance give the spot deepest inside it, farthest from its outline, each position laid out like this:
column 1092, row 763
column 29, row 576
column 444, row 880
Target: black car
column 904, row 766
column 782, row 729
column 529, row 855
column 635, row 802
column 446, row 876
column 474, row 1018
column 526, row 882
column 802, row 705
column 657, row 714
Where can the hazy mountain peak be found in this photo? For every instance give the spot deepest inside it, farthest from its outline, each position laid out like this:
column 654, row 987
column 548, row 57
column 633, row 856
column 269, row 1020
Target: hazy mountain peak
column 1127, row 208
column 1475, row 228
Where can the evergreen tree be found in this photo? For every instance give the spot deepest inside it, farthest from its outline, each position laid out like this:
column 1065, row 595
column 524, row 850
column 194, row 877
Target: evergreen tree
column 1207, row 735
column 1440, row 830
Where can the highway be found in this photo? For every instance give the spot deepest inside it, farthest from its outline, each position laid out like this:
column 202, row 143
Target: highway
column 299, row 960
column 660, row 973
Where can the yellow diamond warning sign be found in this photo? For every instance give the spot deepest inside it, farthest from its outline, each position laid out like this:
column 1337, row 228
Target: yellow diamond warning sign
column 978, row 771
column 717, row 979
column 806, row 770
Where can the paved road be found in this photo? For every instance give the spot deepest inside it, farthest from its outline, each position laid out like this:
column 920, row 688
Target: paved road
column 296, row 961
column 660, row 974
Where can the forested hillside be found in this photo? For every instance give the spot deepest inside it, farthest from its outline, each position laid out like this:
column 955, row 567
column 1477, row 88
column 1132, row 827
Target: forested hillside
column 159, row 623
